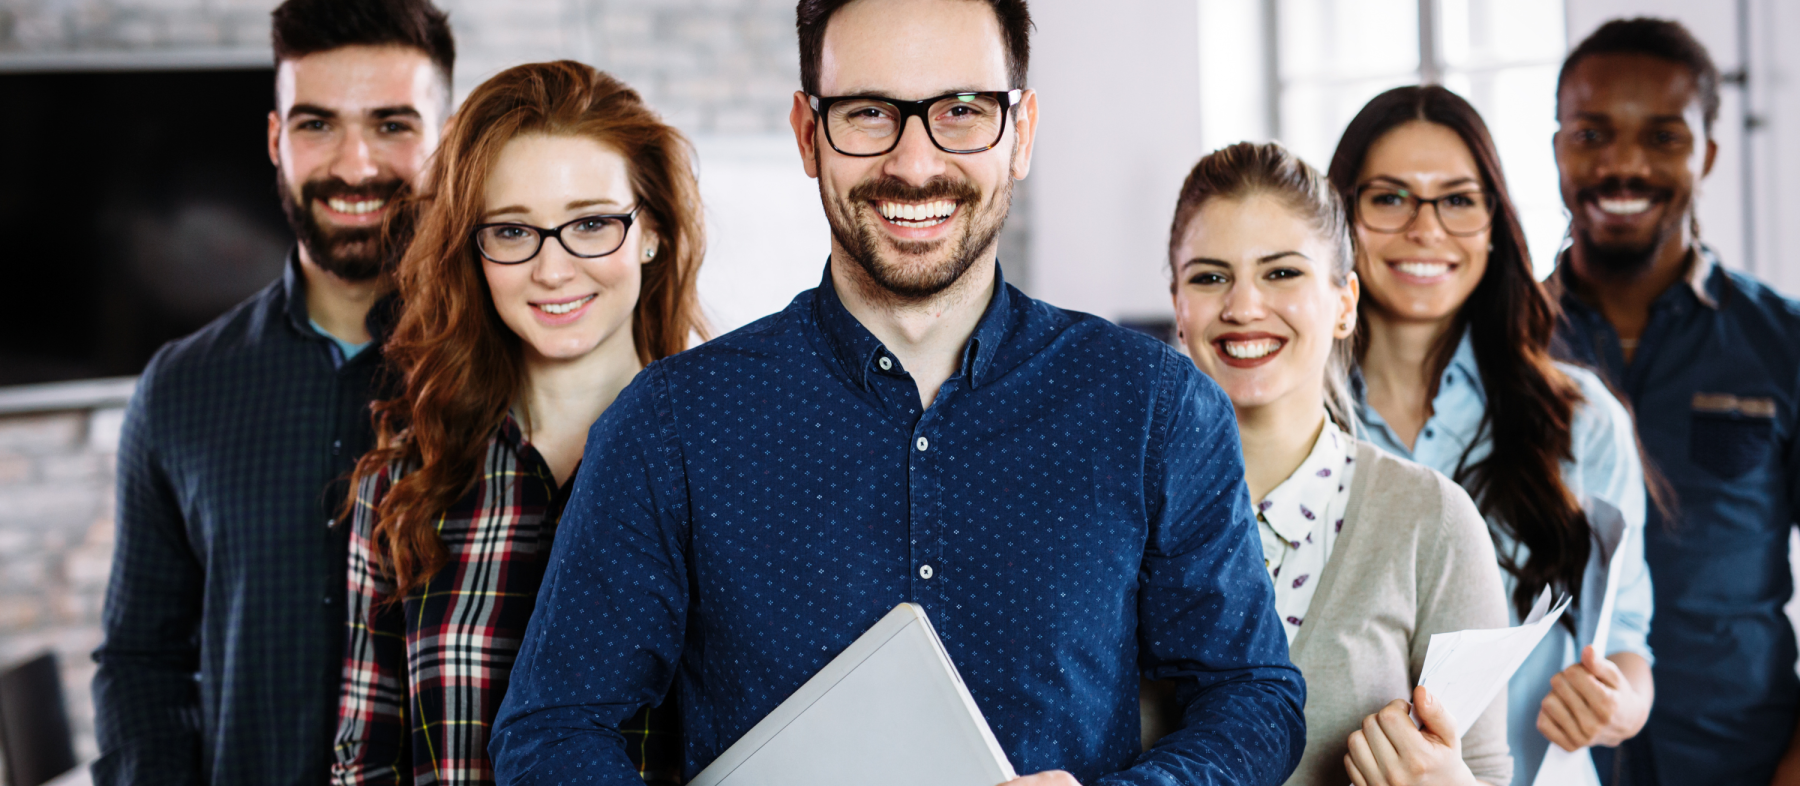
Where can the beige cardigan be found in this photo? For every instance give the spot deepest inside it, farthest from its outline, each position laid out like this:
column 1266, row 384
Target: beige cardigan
column 1414, row 559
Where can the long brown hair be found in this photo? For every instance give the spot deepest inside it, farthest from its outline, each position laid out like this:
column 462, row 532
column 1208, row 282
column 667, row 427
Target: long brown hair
column 1509, row 318
column 460, row 367
column 1248, row 169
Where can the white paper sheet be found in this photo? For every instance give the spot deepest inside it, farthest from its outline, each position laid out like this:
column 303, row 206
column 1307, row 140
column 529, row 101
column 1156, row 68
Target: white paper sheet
column 1576, row 768
column 1465, row 670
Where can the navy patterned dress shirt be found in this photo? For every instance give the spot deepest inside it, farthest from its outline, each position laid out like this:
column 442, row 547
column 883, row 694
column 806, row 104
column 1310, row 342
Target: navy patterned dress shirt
column 1070, row 511
column 224, row 616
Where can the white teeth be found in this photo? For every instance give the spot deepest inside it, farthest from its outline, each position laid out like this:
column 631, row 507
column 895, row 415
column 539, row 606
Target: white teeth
column 1422, row 269
column 356, row 208
column 1624, row 207
column 564, row 308
column 1251, row 350
column 925, row 214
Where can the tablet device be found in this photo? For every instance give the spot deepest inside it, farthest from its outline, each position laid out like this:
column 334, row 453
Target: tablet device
column 889, row 710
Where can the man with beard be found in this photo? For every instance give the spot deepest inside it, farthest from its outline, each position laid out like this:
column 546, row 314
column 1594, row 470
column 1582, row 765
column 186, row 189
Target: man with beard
column 1064, row 498
column 224, row 616
column 1710, row 360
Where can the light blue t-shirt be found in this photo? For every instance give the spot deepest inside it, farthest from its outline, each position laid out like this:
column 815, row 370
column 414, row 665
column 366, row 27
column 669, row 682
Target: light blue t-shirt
column 346, row 350
column 1606, row 466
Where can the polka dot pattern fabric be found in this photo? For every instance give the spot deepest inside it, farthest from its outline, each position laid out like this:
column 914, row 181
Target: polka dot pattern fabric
column 1069, row 511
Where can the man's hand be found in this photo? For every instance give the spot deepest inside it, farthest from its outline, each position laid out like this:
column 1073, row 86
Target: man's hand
column 1592, row 703
column 1390, row 751
column 1046, row 778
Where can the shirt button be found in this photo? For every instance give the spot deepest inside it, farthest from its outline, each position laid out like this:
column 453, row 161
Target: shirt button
column 327, row 600
column 1428, row 433
column 925, row 571
column 922, row 444
column 337, row 447
column 885, row 364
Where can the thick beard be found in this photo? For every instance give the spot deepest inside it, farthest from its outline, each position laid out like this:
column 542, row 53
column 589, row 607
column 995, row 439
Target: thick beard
column 352, row 254
column 856, row 233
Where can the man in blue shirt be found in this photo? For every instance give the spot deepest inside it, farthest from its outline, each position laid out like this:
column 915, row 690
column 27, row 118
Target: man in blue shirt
column 1063, row 497
column 1710, row 360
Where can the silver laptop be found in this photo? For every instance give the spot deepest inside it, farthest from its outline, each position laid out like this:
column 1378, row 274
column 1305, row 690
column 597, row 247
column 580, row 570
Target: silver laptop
column 890, row 709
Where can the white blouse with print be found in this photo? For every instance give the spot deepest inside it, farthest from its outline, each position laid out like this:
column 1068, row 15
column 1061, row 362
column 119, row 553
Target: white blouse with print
column 1300, row 521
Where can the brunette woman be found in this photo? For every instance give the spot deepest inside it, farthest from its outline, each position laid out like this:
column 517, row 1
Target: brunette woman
column 1369, row 554
column 556, row 257
column 1456, row 374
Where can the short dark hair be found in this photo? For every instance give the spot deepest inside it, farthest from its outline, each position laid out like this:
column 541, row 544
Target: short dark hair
column 810, row 17
column 1660, row 38
column 305, row 27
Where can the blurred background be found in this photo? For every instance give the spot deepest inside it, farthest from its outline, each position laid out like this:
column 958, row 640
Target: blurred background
column 138, row 202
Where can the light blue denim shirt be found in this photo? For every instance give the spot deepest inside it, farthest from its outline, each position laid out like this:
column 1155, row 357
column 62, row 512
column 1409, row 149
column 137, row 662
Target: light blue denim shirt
column 1606, row 467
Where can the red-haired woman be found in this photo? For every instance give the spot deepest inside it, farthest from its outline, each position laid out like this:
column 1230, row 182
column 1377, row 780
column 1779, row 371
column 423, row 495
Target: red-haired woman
column 556, row 256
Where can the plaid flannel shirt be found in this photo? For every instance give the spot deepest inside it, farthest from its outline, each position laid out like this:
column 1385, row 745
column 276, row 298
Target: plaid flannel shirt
column 423, row 679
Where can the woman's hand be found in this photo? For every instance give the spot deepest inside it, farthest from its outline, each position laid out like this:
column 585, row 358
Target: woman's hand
column 1593, row 703
column 1390, row 751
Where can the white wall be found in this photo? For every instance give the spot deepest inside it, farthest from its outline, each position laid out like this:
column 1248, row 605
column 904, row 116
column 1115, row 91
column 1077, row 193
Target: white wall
column 1118, row 85
column 767, row 239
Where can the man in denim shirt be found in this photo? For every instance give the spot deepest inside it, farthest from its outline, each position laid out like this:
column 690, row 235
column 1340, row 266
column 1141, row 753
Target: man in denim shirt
column 1710, row 360
column 1063, row 498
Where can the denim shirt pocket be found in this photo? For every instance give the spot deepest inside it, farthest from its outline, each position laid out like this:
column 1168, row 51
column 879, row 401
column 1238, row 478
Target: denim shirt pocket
column 1730, row 435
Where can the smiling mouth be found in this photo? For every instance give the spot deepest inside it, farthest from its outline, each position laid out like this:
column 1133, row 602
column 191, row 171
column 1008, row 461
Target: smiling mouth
column 559, row 309
column 1420, row 269
column 1615, row 206
column 356, row 207
column 916, row 215
column 1251, row 349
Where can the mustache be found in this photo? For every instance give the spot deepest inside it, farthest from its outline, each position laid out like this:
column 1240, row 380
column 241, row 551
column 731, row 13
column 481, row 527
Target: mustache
column 1620, row 186
column 327, row 188
column 893, row 189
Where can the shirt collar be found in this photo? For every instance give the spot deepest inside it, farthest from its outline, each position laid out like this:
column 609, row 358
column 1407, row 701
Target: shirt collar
column 1699, row 279
column 511, row 433
column 1463, row 364
column 860, row 352
column 379, row 322
column 1460, row 403
column 293, row 284
column 1310, row 488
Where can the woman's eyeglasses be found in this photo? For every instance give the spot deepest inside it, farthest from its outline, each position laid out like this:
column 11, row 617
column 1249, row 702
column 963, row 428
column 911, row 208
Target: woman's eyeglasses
column 1391, row 209
column 586, row 237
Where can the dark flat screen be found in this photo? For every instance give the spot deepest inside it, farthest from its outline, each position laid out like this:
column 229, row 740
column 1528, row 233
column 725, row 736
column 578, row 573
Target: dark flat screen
column 135, row 207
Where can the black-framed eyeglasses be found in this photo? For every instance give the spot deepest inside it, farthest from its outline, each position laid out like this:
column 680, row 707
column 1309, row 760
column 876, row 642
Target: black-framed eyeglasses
column 865, row 126
column 586, row 237
column 1392, row 209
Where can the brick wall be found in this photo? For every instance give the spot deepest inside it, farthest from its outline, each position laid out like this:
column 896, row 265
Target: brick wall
column 56, row 533
column 711, row 66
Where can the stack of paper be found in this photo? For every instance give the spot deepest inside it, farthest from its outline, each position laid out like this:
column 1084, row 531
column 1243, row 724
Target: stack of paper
column 888, row 711
column 1576, row 768
column 1465, row 670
